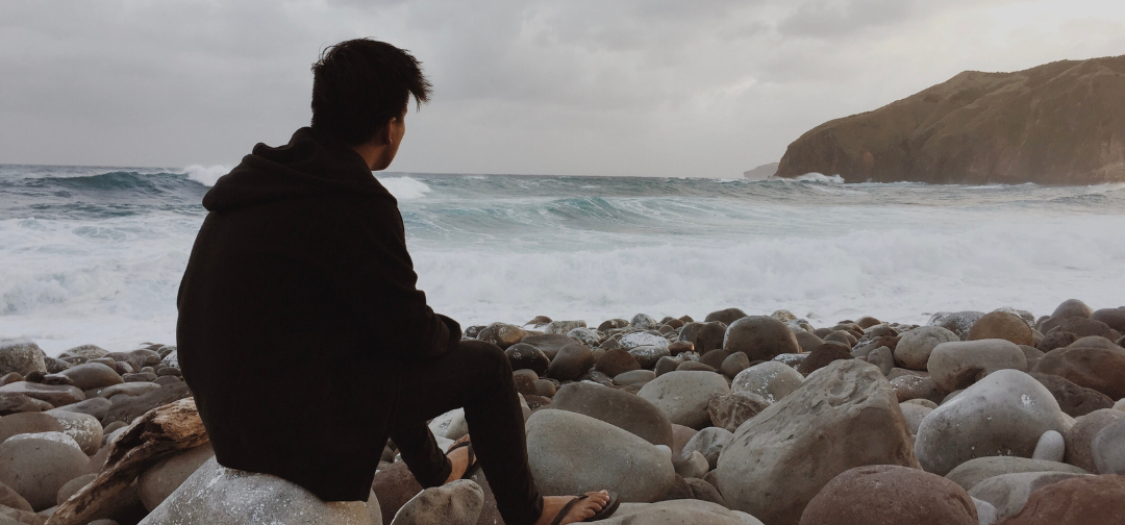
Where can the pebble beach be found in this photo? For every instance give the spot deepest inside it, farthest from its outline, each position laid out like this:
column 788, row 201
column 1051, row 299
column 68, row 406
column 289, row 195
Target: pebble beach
column 741, row 419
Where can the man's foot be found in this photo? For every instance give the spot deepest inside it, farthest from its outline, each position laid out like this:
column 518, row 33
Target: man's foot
column 459, row 458
column 581, row 511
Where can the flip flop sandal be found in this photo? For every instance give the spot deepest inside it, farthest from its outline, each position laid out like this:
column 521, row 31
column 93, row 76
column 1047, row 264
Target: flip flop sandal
column 473, row 463
column 607, row 511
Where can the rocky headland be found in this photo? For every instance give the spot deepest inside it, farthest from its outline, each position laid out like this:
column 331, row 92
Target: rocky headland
column 973, row 418
column 1061, row 123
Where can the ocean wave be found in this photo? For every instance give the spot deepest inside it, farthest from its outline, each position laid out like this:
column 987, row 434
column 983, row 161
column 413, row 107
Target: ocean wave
column 206, row 175
column 405, row 188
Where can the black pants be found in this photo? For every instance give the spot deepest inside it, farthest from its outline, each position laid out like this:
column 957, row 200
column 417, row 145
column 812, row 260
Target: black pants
column 477, row 377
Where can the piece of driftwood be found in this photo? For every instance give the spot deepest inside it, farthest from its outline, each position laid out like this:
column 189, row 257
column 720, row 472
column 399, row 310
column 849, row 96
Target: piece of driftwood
column 161, row 431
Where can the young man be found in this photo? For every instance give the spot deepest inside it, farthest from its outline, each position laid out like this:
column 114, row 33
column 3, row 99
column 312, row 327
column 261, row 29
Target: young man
column 301, row 331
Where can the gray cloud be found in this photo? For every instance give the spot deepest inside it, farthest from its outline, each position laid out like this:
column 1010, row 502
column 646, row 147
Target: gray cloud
column 630, row 87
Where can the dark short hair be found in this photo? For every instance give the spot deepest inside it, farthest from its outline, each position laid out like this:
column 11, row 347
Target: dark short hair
column 359, row 85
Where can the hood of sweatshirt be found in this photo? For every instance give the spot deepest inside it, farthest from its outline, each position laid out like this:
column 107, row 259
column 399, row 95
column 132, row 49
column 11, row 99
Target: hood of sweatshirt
column 308, row 167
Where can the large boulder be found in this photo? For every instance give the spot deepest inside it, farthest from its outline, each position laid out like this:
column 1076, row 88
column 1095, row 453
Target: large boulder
column 887, row 494
column 845, row 415
column 159, row 481
column 1044, row 125
column 1002, row 325
column 456, row 503
column 771, row 380
column 37, row 465
column 760, row 338
column 1003, row 414
column 1080, row 437
column 954, row 366
column 21, row 356
column 914, row 346
column 974, row 471
column 1082, row 500
column 618, row 408
column 1090, row 362
column 678, row 512
column 215, row 494
column 570, row 453
column 1009, row 492
column 683, row 395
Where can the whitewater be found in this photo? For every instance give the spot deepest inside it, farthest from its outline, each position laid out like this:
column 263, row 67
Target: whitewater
column 95, row 255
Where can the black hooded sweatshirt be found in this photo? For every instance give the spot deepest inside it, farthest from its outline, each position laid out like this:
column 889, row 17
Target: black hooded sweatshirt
column 296, row 307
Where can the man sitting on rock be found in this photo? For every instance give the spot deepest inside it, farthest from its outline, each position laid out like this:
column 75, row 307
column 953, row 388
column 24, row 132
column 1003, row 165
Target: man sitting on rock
column 302, row 334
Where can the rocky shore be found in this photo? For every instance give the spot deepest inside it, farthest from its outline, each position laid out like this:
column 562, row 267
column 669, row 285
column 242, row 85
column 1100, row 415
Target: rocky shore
column 974, row 418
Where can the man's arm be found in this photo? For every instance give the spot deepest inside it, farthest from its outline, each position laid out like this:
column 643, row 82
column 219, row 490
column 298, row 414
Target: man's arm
column 385, row 291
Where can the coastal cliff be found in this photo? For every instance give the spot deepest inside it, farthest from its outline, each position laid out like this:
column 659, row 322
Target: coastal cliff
column 1062, row 123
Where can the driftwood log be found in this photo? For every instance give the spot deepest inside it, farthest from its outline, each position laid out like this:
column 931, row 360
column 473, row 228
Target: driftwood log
column 160, row 432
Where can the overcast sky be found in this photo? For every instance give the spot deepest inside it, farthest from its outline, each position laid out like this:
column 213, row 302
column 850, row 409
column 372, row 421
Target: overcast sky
column 586, row 87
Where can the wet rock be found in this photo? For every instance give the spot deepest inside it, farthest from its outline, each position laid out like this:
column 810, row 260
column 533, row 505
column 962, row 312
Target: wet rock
column 760, row 338
column 549, row 344
column 19, row 403
column 97, row 407
column 620, row 409
column 571, row 362
column 126, row 389
column 770, row 380
column 704, row 337
column 954, row 366
column 563, row 462
column 588, row 336
column 643, row 339
column 616, row 362
column 1082, row 327
column 891, row 495
column 215, row 494
column 1003, row 414
column 915, row 346
column 563, row 327
column 683, row 396
column 502, row 334
column 843, row 416
column 92, row 375
column 56, row 395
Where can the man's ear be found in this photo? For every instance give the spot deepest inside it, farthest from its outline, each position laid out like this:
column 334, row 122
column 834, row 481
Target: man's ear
column 383, row 137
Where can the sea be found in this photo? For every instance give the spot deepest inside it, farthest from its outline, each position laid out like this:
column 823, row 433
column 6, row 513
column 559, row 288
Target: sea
column 94, row 255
